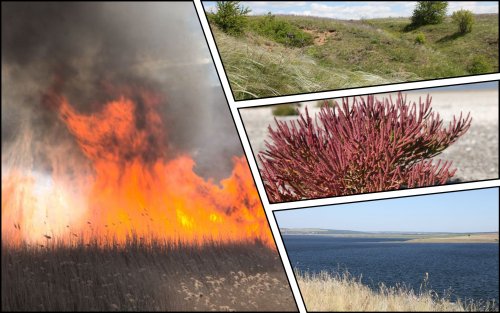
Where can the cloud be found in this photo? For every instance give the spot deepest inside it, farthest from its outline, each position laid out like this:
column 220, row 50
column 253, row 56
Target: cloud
column 276, row 7
column 474, row 6
column 352, row 12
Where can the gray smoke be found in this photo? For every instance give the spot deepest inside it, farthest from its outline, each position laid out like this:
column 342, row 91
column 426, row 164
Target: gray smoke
column 86, row 45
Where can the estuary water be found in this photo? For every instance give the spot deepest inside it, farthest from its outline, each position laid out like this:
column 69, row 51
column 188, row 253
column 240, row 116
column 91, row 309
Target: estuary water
column 469, row 271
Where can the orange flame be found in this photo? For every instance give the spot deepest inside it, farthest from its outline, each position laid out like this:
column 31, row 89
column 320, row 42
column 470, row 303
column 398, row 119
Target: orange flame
column 133, row 188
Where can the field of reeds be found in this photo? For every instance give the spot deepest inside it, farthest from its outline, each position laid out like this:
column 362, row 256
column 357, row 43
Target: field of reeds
column 342, row 292
column 140, row 276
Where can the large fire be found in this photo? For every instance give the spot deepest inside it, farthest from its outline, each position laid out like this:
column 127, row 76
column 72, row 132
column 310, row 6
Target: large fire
column 133, row 189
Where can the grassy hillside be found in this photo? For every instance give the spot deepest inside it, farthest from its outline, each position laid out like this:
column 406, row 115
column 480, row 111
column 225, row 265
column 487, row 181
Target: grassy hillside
column 326, row 292
column 347, row 54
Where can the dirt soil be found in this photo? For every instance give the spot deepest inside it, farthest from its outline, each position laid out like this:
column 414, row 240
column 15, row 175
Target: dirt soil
column 320, row 37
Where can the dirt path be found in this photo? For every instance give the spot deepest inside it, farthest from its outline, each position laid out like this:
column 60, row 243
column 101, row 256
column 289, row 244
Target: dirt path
column 475, row 155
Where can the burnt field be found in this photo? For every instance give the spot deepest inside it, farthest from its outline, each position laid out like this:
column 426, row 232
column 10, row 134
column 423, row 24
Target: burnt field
column 144, row 276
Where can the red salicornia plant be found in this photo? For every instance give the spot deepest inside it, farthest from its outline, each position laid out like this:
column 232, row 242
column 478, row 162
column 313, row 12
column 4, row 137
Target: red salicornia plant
column 369, row 145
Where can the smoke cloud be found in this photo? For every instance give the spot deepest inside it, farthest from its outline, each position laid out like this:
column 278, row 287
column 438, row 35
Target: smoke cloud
column 80, row 48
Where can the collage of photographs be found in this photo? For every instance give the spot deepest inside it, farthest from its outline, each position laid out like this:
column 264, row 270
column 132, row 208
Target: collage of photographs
column 296, row 156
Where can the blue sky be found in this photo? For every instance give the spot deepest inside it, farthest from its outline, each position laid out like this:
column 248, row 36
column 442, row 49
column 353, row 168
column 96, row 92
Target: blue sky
column 353, row 9
column 464, row 211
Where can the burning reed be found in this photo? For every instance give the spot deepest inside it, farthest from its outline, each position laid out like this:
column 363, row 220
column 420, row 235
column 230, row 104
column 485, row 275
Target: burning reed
column 132, row 184
column 104, row 132
column 110, row 120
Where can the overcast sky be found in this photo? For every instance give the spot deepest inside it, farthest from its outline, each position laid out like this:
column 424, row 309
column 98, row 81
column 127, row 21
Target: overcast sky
column 464, row 211
column 353, row 9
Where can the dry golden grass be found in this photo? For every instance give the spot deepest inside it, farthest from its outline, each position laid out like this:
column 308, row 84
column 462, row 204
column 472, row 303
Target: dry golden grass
column 158, row 276
column 327, row 292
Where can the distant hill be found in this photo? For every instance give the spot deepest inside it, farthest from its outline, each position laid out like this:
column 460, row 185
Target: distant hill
column 317, row 231
column 345, row 54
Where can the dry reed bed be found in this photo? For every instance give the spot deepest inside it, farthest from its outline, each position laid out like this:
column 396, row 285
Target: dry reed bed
column 341, row 292
column 157, row 276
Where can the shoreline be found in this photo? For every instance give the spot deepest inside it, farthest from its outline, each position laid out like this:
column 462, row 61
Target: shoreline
column 414, row 238
column 483, row 238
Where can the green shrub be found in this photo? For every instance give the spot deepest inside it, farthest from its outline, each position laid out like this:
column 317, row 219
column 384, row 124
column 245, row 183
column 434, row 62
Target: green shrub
column 479, row 65
column 281, row 31
column 429, row 12
column 230, row 17
column 464, row 19
column 331, row 103
column 420, row 39
column 286, row 109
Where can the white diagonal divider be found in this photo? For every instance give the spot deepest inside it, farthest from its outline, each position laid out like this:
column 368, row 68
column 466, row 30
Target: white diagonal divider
column 368, row 90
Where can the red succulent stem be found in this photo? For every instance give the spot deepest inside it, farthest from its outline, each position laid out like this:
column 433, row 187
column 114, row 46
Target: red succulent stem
column 364, row 146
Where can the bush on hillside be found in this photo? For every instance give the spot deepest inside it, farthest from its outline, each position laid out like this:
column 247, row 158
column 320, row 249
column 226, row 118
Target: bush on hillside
column 286, row 109
column 464, row 19
column 429, row 12
column 369, row 145
column 331, row 103
column 230, row 17
column 281, row 31
column 479, row 65
column 420, row 39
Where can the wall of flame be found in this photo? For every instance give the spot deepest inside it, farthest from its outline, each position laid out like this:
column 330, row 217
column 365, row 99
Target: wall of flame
column 134, row 187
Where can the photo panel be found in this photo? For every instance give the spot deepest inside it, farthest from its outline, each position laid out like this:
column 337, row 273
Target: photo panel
column 416, row 253
column 124, row 182
column 271, row 48
column 379, row 142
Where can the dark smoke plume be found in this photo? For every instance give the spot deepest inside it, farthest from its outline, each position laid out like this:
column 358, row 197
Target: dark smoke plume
column 85, row 46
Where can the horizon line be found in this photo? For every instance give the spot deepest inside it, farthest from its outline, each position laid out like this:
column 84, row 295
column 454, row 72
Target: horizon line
column 391, row 231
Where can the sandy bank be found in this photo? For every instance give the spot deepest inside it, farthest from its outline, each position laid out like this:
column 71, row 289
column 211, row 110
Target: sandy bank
column 473, row 238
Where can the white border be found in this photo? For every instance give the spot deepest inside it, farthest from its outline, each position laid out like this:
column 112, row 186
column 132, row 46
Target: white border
column 268, row 207
column 366, row 90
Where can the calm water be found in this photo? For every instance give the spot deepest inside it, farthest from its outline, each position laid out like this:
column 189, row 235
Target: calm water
column 471, row 270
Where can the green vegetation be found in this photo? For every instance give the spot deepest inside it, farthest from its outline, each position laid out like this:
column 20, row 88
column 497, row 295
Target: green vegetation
column 331, row 103
column 281, row 31
column 286, row 109
column 230, row 17
column 347, row 54
column 464, row 19
column 429, row 12
column 420, row 39
column 478, row 65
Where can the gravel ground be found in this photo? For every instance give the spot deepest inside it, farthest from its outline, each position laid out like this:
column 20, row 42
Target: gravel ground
column 475, row 154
